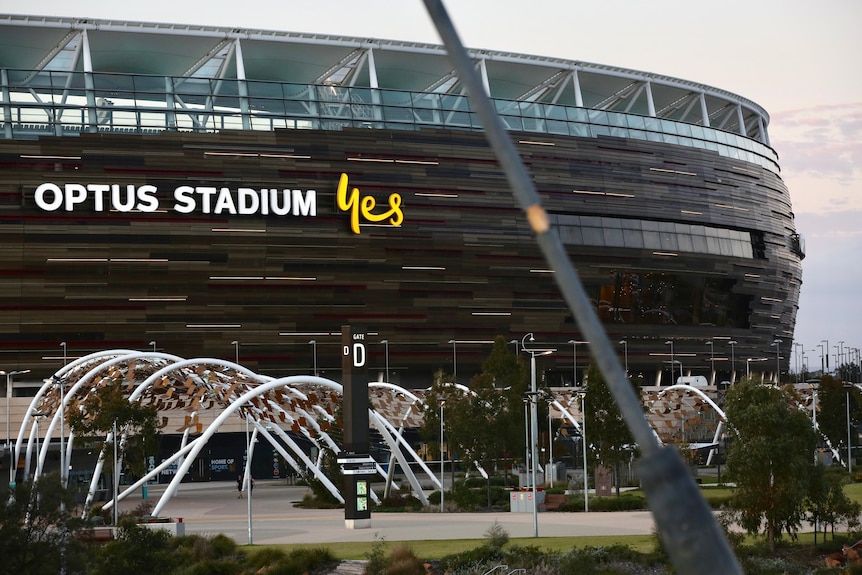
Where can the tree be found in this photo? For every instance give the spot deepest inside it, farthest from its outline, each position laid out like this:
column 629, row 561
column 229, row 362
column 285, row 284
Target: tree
column 609, row 436
column 770, row 457
column 484, row 425
column 97, row 414
column 832, row 410
column 37, row 530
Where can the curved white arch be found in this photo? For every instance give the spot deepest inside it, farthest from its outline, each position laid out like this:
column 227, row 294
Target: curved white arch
column 225, row 414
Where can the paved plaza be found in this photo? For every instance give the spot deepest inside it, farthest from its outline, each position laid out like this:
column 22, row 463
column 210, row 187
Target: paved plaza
column 211, row 508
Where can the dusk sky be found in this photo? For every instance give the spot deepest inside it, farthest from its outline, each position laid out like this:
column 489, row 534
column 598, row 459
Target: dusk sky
column 799, row 60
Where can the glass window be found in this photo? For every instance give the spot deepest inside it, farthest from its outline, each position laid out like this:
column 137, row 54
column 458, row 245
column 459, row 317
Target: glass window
column 685, row 243
column 652, row 240
column 636, row 122
column 699, row 244
column 611, row 223
column 614, row 237
column 396, row 98
column 633, row 238
column 594, row 221
column 712, row 245
column 669, row 242
column 593, row 236
column 598, row 117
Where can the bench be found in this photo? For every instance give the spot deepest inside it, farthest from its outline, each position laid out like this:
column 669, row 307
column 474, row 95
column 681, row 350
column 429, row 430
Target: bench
column 553, row 501
column 96, row 534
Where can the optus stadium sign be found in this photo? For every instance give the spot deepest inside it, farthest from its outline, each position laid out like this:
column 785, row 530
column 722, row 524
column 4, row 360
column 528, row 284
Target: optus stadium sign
column 127, row 198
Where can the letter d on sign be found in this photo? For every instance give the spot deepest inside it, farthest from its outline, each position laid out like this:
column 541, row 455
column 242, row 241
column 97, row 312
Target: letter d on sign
column 358, row 355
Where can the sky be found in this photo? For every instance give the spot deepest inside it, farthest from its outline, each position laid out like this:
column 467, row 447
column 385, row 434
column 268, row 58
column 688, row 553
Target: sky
column 798, row 60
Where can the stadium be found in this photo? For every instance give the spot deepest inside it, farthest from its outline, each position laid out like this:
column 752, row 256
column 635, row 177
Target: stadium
column 244, row 193
column 238, row 196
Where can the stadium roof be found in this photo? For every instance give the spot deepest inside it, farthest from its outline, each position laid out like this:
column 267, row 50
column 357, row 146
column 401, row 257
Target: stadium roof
column 108, row 46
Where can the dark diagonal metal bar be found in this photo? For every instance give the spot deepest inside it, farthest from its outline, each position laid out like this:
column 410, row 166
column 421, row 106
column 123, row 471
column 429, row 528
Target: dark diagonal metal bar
column 689, row 531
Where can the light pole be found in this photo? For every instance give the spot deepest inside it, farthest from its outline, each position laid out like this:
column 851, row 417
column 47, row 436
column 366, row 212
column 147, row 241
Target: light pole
column 313, row 344
column 777, row 343
column 442, row 460
column 575, row 343
column 711, row 345
column 385, row 343
column 847, row 388
column 454, row 359
column 115, row 482
column 534, row 432
column 625, row 345
column 583, row 397
column 797, row 349
column 670, row 343
column 235, row 344
column 12, row 465
column 824, row 341
column 152, row 343
column 732, row 344
column 551, row 468
column 64, row 472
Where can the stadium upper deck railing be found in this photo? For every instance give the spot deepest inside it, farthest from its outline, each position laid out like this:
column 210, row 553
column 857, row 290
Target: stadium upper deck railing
column 43, row 102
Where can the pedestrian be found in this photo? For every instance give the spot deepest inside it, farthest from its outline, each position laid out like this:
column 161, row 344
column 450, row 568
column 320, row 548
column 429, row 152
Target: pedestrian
column 239, row 486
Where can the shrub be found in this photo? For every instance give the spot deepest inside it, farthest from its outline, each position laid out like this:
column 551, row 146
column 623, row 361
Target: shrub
column 624, row 502
column 496, row 536
column 402, row 561
column 405, row 502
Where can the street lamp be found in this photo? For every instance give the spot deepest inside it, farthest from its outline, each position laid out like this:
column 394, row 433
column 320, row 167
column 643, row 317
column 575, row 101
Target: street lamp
column 385, row 343
column 822, row 368
column 777, row 343
column 670, row 343
column 454, row 359
column 64, row 472
column 551, row 468
column 12, row 466
column 442, row 459
column 534, row 424
column 313, row 344
column 625, row 345
column 583, row 397
column 847, row 388
column 575, row 343
column 748, row 364
column 711, row 345
column 732, row 343
column 235, row 345
column 153, row 343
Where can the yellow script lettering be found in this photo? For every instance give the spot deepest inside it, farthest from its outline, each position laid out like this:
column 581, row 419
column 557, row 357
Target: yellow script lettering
column 357, row 205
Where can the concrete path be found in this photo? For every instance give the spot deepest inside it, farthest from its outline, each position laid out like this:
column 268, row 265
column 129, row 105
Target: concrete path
column 212, row 508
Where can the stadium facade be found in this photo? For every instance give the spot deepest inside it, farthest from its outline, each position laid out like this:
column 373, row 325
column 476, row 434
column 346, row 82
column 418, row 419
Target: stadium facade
column 243, row 194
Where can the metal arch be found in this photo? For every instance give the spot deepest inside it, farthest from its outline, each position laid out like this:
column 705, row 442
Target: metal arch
column 719, row 429
column 28, row 415
column 697, row 391
column 78, row 384
column 225, row 414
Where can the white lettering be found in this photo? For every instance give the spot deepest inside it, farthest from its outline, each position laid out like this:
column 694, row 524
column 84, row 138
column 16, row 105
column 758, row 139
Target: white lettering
column 147, row 200
column 56, row 200
column 117, row 200
column 224, row 202
column 249, row 200
column 75, row 194
column 358, row 355
column 284, row 208
column 306, row 206
column 187, row 199
column 185, row 204
column 206, row 195
column 99, row 195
